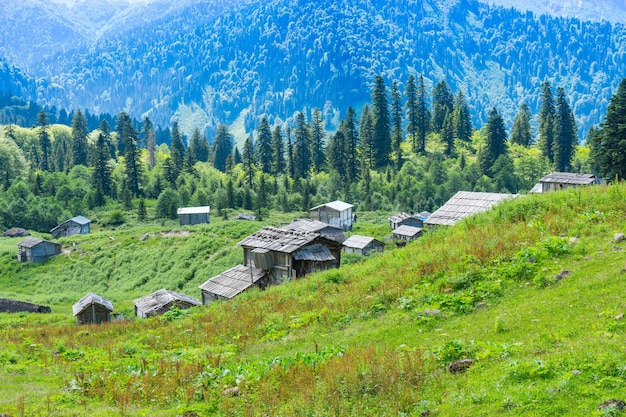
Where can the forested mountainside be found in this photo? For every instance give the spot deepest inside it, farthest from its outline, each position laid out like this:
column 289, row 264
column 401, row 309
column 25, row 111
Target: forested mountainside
column 203, row 64
column 611, row 10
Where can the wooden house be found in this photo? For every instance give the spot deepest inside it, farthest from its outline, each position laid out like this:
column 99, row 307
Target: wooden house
column 92, row 309
column 562, row 180
column 362, row 245
column 34, row 249
column 231, row 283
column 189, row 216
column 415, row 220
column 306, row 225
column 78, row 225
column 404, row 234
column 161, row 301
column 337, row 213
column 464, row 204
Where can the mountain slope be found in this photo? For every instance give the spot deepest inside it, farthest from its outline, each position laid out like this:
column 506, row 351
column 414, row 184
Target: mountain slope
column 610, row 10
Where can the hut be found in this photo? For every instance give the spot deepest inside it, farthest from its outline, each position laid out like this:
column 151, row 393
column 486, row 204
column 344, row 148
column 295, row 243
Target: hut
column 362, row 245
column 34, row 249
column 92, row 309
column 78, row 225
column 404, row 234
column 306, row 225
column 159, row 302
column 464, row 204
column 337, row 213
column 415, row 220
column 189, row 216
column 231, row 283
column 562, row 180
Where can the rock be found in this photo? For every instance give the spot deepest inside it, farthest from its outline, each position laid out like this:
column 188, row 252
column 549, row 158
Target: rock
column 564, row 273
column 425, row 413
column 574, row 240
column 16, row 232
column 576, row 372
column 619, row 317
column 617, row 248
column 481, row 306
column 460, row 366
column 431, row 313
column 619, row 237
column 232, row 392
column 613, row 403
column 144, row 237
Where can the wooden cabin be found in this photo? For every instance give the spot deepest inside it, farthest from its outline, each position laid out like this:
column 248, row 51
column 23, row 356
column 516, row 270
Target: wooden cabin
column 464, row 204
column 231, row 283
column 92, row 309
column 404, row 234
column 34, row 249
column 362, row 245
column 415, row 220
column 159, row 302
column 337, row 213
column 306, row 225
column 562, row 180
column 78, row 225
column 189, row 216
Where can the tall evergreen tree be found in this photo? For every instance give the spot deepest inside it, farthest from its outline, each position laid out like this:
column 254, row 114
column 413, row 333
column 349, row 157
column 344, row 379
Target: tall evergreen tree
column 609, row 144
column 44, row 141
column 495, row 144
column 410, row 91
column 350, row 132
column 132, row 154
column 177, row 150
column 521, row 132
column 264, row 145
column 366, row 138
column 291, row 168
column 461, row 119
column 222, row 147
column 149, row 137
column 79, row 139
column 443, row 102
column 424, row 117
column 565, row 133
column 101, row 177
column 397, row 134
column 278, row 152
column 198, row 147
column 447, row 134
column 317, row 141
column 302, row 148
column 381, row 123
column 249, row 161
column 105, row 129
column 546, row 122
column 336, row 155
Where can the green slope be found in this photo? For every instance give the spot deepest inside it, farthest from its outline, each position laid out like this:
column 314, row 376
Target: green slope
column 363, row 340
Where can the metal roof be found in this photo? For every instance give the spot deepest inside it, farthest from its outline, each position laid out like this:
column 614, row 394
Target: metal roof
column 161, row 298
column 317, row 253
column 464, row 204
column 569, row 178
column 359, row 242
column 230, row 283
column 335, row 205
column 80, row 220
column 90, row 299
column 279, row 240
column 31, row 242
column 194, row 210
column 405, row 230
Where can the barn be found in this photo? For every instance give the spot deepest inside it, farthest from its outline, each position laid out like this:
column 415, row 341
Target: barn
column 362, row 245
column 404, row 234
column 337, row 213
column 562, row 180
column 78, row 225
column 189, row 216
column 92, row 309
column 231, row 283
column 159, row 302
column 415, row 220
column 464, row 204
column 34, row 249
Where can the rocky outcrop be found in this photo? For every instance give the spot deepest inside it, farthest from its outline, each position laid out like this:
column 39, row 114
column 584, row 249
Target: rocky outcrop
column 14, row 306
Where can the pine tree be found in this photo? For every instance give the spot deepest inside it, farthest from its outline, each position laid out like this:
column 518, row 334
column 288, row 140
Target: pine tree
column 248, row 160
column 521, row 132
column 410, row 91
column 177, row 150
column 609, row 144
column 105, row 129
column 336, row 155
column 461, row 119
column 366, row 138
column 141, row 210
column 447, row 134
column 565, row 134
column 381, row 135
column 443, row 102
column 264, row 145
column 44, row 141
column 546, row 122
column 397, row 135
column 128, row 136
column 149, row 137
column 79, row 139
column 222, row 147
column 495, row 145
column 199, row 147
column 101, row 177
column 424, row 118
column 291, row 168
column 302, row 148
column 317, row 141
column 351, row 135
column 278, row 152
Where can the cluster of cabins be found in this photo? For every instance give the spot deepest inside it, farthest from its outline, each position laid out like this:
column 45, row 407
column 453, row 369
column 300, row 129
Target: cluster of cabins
column 274, row 255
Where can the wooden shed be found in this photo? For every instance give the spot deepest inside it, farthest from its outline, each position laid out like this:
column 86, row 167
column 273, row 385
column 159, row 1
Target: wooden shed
column 406, row 233
column 78, row 225
column 306, row 225
column 562, row 180
column 92, row 309
column 362, row 245
column 464, row 204
column 337, row 213
column 231, row 283
column 194, row 215
column 159, row 302
column 34, row 249
column 415, row 220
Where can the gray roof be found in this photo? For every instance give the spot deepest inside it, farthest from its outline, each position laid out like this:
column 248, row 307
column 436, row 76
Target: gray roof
column 90, row 299
column 317, row 253
column 359, row 242
column 279, row 240
column 464, row 204
column 31, row 242
column 569, row 178
column 335, row 205
column 194, row 210
column 244, row 216
column 233, row 282
column 80, row 220
column 325, row 229
column 161, row 298
column 405, row 230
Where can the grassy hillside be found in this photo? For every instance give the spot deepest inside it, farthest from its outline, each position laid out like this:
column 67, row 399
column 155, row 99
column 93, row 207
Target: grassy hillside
column 370, row 339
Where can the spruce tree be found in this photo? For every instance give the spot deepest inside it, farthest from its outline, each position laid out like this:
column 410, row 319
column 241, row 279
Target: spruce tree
column 101, row 177
column 410, row 91
column 381, row 134
column 565, row 134
column 317, row 141
column 521, row 133
column 609, row 145
column 222, row 147
column 397, row 134
column 350, row 132
column 302, row 148
column 546, row 122
column 79, row 139
column 336, row 155
column 291, row 168
column 447, row 134
column 443, row 103
column 149, row 138
column 199, row 147
column 44, row 141
column 461, row 119
column 495, row 143
column 132, row 154
column 424, row 119
column 264, row 145
column 177, row 150
column 366, row 138
column 248, row 160
column 278, row 152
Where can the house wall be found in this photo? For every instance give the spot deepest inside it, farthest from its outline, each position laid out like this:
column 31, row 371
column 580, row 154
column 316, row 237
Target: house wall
column 39, row 253
column 191, row 219
column 93, row 314
column 342, row 219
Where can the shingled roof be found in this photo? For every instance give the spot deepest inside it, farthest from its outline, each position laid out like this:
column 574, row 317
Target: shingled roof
column 359, row 242
column 90, row 299
column 569, row 178
column 279, row 240
column 464, row 204
column 316, row 253
column 161, row 298
column 230, row 283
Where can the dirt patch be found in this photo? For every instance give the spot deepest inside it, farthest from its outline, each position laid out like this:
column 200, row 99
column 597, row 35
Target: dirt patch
column 173, row 233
